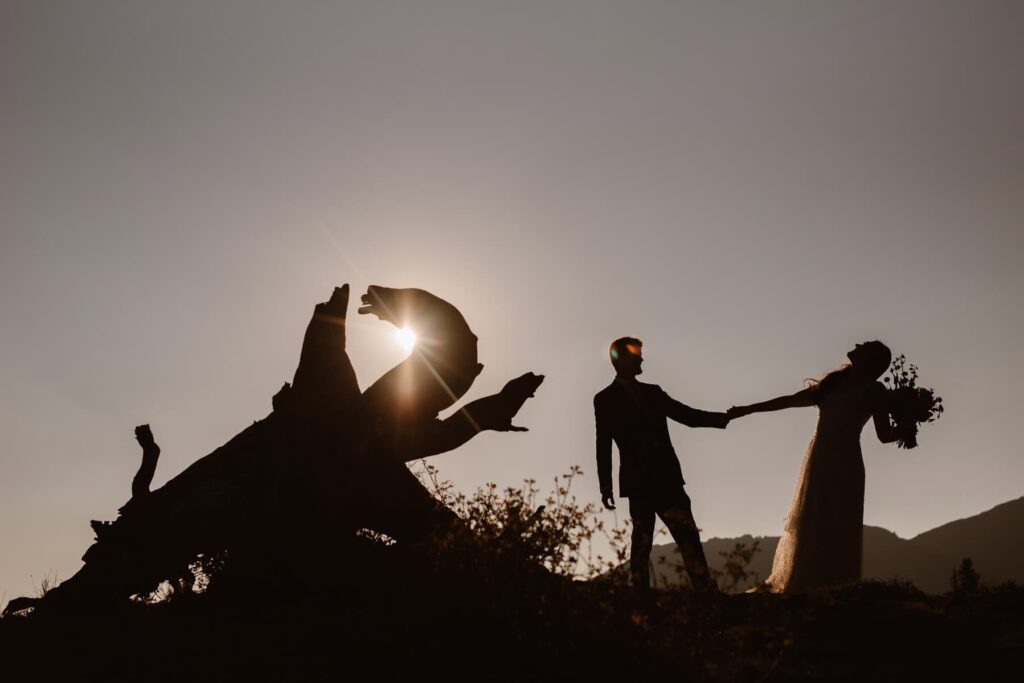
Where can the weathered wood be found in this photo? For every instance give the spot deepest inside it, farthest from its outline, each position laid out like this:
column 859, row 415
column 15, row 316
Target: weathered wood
column 325, row 463
column 439, row 371
column 491, row 413
column 150, row 454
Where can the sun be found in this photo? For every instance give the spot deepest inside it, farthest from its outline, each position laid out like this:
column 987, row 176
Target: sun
column 406, row 338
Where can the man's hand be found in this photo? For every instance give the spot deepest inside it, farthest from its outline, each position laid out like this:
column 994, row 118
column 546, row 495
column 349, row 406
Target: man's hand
column 608, row 500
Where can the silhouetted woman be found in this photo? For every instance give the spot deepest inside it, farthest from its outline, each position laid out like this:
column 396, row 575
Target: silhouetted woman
column 822, row 541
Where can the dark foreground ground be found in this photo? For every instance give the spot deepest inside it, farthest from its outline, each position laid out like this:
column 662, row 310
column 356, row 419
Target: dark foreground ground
column 525, row 629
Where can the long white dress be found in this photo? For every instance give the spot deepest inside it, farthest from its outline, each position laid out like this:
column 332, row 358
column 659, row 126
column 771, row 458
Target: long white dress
column 823, row 537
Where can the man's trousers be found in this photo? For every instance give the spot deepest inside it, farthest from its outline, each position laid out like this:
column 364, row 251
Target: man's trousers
column 674, row 510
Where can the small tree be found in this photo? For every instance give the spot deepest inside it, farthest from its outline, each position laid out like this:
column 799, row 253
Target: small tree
column 965, row 579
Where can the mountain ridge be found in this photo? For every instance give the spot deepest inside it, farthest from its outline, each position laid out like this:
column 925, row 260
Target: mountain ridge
column 993, row 539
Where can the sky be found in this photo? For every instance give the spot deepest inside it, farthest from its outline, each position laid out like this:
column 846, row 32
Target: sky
column 751, row 188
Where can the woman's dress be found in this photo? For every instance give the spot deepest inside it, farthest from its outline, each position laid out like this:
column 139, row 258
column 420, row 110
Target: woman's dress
column 823, row 537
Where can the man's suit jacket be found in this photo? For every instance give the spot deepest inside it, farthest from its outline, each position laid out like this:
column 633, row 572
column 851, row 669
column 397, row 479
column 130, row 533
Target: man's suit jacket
column 633, row 414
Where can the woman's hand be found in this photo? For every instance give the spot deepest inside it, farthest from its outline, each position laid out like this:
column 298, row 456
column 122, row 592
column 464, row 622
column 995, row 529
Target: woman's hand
column 801, row 399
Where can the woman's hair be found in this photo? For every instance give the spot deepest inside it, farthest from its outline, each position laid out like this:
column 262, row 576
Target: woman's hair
column 831, row 380
column 876, row 358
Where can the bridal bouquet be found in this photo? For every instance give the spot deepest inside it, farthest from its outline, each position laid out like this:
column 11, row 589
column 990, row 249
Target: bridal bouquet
column 909, row 404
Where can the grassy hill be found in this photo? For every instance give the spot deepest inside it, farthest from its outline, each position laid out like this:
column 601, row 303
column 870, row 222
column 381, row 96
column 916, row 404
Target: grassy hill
column 496, row 618
column 515, row 630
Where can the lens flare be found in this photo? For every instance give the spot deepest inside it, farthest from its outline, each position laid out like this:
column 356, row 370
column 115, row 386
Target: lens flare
column 405, row 338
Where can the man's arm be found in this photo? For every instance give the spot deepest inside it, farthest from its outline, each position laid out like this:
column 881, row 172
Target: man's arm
column 604, row 454
column 691, row 417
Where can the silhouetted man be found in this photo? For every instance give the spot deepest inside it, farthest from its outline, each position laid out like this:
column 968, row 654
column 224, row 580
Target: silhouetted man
column 633, row 414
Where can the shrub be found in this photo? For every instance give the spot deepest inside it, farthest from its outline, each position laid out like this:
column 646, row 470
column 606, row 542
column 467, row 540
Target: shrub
column 559, row 534
column 965, row 579
column 734, row 574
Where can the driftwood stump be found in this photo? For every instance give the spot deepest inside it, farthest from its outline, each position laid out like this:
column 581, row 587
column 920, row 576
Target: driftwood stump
column 327, row 462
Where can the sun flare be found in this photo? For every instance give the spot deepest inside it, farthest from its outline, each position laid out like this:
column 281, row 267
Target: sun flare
column 406, row 338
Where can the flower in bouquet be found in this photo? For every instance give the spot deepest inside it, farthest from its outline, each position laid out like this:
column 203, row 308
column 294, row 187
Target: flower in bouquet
column 909, row 404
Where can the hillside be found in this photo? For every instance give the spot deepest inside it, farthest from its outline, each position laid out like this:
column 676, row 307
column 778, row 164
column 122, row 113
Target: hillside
column 491, row 616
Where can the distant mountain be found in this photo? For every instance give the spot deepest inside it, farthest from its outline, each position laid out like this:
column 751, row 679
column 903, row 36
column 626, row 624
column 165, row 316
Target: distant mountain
column 994, row 540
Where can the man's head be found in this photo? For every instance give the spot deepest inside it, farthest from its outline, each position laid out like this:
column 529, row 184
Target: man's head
column 626, row 354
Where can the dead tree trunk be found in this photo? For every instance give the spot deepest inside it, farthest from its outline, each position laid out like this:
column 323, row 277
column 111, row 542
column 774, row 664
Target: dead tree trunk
column 325, row 463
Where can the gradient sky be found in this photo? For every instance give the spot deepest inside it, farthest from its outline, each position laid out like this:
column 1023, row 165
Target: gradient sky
column 751, row 188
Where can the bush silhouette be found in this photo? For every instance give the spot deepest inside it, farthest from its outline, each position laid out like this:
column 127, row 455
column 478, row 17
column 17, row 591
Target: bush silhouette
column 965, row 579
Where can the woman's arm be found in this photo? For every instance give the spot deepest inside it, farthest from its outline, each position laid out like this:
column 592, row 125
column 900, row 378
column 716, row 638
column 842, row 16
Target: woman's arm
column 801, row 399
column 884, row 428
